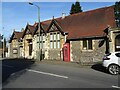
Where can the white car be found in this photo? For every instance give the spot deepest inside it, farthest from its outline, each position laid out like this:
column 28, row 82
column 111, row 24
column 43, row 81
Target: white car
column 112, row 62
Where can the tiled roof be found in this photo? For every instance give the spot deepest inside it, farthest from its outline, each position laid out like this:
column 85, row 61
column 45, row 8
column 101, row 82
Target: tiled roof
column 44, row 24
column 31, row 28
column 16, row 35
column 84, row 24
column 89, row 23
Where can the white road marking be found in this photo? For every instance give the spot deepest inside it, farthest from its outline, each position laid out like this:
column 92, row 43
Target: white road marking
column 8, row 66
column 12, row 74
column 51, row 74
column 115, row 87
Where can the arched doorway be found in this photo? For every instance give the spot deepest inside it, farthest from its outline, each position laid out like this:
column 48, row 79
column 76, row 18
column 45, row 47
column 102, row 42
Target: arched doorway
column 117, row 43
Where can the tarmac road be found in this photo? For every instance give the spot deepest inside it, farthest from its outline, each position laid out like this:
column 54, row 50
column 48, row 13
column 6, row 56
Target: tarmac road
column 26, row 74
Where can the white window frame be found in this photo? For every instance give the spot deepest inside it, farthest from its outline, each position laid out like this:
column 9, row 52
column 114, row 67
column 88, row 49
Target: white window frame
column 55, row 40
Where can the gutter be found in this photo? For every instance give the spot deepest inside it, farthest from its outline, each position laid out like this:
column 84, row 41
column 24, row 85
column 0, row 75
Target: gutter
column 89, row 37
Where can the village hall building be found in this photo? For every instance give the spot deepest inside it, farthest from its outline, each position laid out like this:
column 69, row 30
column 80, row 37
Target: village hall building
column 83, row 37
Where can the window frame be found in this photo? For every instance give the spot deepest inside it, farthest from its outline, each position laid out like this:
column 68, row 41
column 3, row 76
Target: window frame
column 55, row 40
column 42, row 41
column 88, row 46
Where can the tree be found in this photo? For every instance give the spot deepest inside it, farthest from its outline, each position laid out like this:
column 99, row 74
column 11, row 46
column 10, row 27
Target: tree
column 75, row 8
column 4, row 43
column 72, row 11
column 117, row 13
column 4, row 47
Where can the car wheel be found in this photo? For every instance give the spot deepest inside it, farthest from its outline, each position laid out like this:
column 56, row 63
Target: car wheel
column 113, row 69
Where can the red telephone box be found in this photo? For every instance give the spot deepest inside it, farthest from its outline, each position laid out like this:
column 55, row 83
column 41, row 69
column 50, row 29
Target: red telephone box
column 66, row 52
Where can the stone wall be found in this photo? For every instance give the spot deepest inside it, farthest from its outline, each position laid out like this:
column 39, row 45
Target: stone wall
column 113, row 33
column 75, row 51
column 14, row 55
column 1, row 52
column 54, row 54
column 86, row 56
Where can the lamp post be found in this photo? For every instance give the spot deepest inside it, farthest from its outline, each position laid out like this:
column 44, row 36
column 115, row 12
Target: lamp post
column 2, row 44
column 38, row 27
column 3, row 48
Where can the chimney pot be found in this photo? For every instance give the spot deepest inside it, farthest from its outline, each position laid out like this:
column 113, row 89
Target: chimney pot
column 63, row 15
column 53, row 17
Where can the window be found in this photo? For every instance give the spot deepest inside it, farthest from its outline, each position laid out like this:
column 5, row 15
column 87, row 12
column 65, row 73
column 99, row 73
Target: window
column 51, row 37
column 58, row 36
column 54, row 40
column 117, row 54
column 55, row 44
column 58, row 44
column 84, row 44
column 42, row 41
column 58, row 40
column 15, row 51
column 51, row 40
column 51, row 45
column 54, row 36
column 87, row 44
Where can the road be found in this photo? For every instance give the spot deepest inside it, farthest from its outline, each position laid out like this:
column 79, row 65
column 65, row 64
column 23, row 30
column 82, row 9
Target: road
column 45, row 75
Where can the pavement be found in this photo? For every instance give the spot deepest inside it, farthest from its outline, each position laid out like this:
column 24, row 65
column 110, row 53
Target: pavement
column 60, row 62
column 96, row 66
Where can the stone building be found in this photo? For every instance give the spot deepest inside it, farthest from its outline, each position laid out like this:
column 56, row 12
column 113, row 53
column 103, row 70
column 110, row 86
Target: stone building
column 114, row 35
column 83, row 37
column 40, row 40
column 1, row 46
column 15, row 48
column 84, row 31
column 27, row 41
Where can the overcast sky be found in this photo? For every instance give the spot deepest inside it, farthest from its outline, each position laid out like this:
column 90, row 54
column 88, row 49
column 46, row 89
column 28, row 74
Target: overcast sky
column 15, row 15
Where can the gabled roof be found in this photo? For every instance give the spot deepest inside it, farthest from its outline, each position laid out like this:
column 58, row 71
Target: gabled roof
column 46, row 24
column 54, row 22
column 43, row 25
column 31, row 28
column 16, row 35
column 89, row 23
column 85, row 24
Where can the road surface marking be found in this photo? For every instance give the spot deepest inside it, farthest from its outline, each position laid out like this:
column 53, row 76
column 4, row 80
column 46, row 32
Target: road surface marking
column 47, row 73
column 8, row 66
column 115, row 87
column 12, row 74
